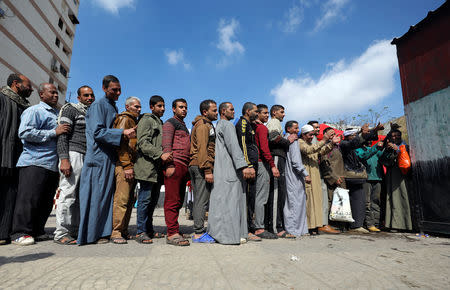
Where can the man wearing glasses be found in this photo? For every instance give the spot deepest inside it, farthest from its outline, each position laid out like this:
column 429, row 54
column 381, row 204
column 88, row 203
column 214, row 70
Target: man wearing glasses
column 71, row 150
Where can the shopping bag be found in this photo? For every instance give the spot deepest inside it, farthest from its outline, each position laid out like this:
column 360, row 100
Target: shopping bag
column 340, row 207
column 404, row 162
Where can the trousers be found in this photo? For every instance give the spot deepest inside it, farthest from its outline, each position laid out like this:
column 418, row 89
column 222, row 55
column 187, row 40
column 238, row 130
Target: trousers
column 8, row 190
column 147, row 200
column 202, row 192
column 34, row 202
column 262, row 193
column 68, row 203
column 372, row 190
column 175, row 186
column 357, row 203
column 122, row 203
column 274, row 219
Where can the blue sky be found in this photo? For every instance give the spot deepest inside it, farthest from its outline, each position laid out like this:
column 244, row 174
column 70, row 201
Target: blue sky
column 321, row 59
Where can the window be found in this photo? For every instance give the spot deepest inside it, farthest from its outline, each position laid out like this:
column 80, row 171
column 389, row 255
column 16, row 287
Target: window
column 60, row 23
column 57, row 41
column 75, row 2
column 73, row 18
column 69, row 34
column 63, row 71
column 50, row 80
column 65, row 51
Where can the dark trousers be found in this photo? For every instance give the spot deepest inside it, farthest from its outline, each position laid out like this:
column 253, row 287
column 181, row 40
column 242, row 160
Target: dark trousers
column 8, row 192
column 357, row 203
column 202, row 192
column 250, row 192
column 37, row 187
column 175, row 186
column 373, row 191
column 280, row 162
column 147, row 200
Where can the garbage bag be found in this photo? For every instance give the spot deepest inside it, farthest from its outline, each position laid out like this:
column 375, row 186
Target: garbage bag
column 340, row 207
column 404, row 161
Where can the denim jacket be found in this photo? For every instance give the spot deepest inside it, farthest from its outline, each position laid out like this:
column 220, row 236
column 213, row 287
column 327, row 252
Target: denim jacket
column 38, row 135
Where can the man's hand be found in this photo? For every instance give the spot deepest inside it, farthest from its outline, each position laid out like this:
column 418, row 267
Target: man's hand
column 392, row 146
column 209, row 178
column 249, row 173
column 308, row 179
column 167, row 157
column 336, row 139
column 130, row 133
column 379, row 127
column 292, row 137
column 170, row 171
column 65, row 167
column 365, row 129
column 339, row 181
column 62, row 128
column 129, row 174
column 275, row 172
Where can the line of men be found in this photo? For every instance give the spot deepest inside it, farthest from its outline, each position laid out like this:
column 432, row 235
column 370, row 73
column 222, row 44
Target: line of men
column 258, row 182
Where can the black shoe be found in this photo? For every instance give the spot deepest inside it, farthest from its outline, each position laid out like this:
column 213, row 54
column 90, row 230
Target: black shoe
column 267, row 235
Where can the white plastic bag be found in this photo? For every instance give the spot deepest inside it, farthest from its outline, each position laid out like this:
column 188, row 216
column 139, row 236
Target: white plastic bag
column 340, row 207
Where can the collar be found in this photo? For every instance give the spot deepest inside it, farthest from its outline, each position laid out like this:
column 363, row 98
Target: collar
column 46, row 106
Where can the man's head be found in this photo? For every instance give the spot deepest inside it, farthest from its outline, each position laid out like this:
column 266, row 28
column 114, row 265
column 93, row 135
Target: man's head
column 85, row 95
column 350, row 133
column 208, row 109
column 250, row 111
column 111, row 87
column 48, row 94
column 307, row 133
column 263, row 113
column 316, row 127
column 277, row 112
column 133, row 105
column 292, row 127
column 226, row 110
column 179, row 108
column 20, row 84
column 329, row 132
column 396, row 136
column 157, row 105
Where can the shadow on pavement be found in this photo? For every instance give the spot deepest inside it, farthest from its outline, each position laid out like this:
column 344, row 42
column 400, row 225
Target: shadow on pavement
column 24, row 258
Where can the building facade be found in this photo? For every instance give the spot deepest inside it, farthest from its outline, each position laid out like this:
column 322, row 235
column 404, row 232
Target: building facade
column 36, row 40
column 424, row 62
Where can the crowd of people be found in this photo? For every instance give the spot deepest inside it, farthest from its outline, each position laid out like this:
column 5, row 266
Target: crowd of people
column 256, row 179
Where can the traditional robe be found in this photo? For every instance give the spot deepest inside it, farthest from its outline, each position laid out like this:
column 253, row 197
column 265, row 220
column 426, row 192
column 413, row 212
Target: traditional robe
column 227, row 220
column 97, row 183
column 295, row 220
column 314, row 196
column 398, row 212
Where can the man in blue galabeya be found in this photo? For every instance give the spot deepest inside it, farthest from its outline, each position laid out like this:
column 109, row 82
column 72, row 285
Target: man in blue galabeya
column 97, row 184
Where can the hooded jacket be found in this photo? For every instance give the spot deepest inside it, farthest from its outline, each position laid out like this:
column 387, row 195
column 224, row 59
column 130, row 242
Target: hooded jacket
column 127, row 149
column 203, row 142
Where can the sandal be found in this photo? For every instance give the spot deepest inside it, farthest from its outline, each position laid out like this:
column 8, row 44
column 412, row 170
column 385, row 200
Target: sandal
column 102, row 241
column 267, row 235
column 66, row 240
column 286, row 235
column 177, row 240
column 158, row 235
column 119, row 241
column 143, row 238
column 253, row 238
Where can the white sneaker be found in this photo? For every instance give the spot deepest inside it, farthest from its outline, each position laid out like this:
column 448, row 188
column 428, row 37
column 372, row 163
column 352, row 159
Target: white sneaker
column 24, row 241
column 243, row 241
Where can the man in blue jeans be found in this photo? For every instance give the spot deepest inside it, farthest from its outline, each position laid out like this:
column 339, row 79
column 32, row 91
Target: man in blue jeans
column 148, row 170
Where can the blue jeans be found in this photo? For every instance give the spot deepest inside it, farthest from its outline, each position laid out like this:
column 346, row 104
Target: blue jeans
column 146, row 202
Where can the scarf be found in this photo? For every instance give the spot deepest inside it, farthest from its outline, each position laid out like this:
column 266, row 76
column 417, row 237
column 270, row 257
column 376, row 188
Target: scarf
column 7, row 91
column 82, row 108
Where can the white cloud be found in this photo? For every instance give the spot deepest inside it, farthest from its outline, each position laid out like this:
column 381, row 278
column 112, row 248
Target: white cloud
column 293, row 18
column 175, row 57
column 344, row 87
column 227, row 37
column 113, row 6
column 331, row 11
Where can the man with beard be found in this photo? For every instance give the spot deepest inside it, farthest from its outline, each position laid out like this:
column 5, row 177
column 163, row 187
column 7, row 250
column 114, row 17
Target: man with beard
column 71, row 150
column 278, row 145
column 38, row 163
column 97, row 184
column 124, row 172
column 227, row 220
column 245, row 131
column 203, row 140
column 13, row 101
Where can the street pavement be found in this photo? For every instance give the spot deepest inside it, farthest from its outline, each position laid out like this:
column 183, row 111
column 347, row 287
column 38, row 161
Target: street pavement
column 368, row 261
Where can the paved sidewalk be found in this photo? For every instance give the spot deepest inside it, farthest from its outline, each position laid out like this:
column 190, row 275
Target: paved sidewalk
column 374, row 261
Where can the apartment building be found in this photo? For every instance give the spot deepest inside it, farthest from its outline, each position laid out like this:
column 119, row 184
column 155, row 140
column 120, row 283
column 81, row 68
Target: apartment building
column 36, row 39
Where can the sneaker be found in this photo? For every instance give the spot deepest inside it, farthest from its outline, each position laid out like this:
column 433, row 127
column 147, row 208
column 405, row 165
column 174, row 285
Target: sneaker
column 243, row 241
column 205, row 238
column 24, row 241
column 373, row 229
column 359, row 230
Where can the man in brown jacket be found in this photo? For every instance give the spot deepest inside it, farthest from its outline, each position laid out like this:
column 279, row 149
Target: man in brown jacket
column 203, row 140
column 125, row 183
